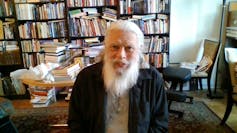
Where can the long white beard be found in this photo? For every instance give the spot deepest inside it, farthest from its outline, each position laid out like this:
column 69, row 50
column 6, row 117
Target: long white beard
column 118, row 84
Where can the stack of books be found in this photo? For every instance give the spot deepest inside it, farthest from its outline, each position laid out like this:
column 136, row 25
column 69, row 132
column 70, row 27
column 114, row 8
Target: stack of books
column 110, row 14
column 66, row 73
column 7, row 28
column 54, row 52
column 231, row 32
column 76, row 13
column 42, row 97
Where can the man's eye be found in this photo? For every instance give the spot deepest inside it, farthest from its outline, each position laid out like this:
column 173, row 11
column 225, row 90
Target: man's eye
column 130, row 49
column 114, row 47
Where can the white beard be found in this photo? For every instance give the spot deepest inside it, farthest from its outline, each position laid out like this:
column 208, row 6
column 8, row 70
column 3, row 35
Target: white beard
column 118, row 84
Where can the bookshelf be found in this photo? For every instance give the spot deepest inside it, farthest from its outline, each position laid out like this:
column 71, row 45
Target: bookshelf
column 10, row 58
column 87, row 24
column 80, row 27
column 153, row 17
column 83, row 25
column 40, row 22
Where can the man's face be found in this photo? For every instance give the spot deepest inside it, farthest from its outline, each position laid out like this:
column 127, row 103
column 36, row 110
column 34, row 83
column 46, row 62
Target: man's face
column 121, row 49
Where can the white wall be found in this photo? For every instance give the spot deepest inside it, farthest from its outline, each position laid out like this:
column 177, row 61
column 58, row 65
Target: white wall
column 190, row 22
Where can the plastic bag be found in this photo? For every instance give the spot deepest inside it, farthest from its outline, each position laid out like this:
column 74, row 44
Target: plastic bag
column 16, row 81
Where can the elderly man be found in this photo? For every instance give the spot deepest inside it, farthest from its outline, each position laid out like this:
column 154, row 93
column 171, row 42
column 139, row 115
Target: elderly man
column 120, row 94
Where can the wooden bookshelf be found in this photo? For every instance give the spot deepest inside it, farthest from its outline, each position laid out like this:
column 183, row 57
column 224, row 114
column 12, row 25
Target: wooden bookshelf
column 10, row 54
column 40, row 22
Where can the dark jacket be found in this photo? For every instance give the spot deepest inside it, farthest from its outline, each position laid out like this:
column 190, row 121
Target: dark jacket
column 148, row 111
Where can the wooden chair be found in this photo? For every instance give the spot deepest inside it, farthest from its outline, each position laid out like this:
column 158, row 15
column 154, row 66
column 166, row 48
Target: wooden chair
column 231, row 63
column 211, row 49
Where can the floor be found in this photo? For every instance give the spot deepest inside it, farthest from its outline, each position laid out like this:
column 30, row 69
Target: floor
column 216, row 105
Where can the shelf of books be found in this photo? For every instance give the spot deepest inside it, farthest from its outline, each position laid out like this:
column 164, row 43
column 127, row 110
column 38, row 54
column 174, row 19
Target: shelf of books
column 88, row 22
column 52, row 31
column 82, row 24
column 40, row 22
column 9, row 46
column 152, row 16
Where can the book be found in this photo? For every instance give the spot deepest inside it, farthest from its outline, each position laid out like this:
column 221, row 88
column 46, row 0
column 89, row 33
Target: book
column 55, row 54
column 1, row 30
column 54, row 50
column 92, row 40
column 53, row 47
column 60, row 71
column 42, row 103
column 121, row 6
column 90, row 10
column 128, row 6
column 8, row 28
column 77, row 13
column 55, row 59
column 109, row 18
column 138, row 7
column 57, row 78
column 144, row 17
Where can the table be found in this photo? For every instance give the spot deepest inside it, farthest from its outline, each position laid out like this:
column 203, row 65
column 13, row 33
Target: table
column 41, row 83
column 51, row 86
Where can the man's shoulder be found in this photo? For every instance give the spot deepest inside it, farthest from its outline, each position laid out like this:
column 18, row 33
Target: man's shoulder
column 94, row 68
column 150, row 72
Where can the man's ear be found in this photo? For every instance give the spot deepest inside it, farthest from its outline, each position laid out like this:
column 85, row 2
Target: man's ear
column 143, row 62
column 100, row 56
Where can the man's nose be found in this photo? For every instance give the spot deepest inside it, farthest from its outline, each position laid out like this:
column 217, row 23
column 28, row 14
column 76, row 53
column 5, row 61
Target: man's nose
column 122, row 53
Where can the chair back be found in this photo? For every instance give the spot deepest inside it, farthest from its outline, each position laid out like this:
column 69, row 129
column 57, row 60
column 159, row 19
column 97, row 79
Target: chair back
column 211, row 49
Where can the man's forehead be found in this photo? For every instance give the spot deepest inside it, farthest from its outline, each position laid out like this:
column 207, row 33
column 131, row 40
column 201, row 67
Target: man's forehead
column 122, row 35
column 123, row 41
column 121, row 31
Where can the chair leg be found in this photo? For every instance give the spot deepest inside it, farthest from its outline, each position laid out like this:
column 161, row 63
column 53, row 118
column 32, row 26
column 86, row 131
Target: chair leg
column 181, row 87
column 227, row 112
column 173, row 85
column 200, row 83
column 209, row 87
column 196, row 83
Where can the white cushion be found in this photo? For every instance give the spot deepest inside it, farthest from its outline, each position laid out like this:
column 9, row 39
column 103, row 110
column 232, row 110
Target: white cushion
column 231, row 54
column 200, row 74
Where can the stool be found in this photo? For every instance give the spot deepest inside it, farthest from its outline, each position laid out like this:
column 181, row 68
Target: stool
column 177, row 76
